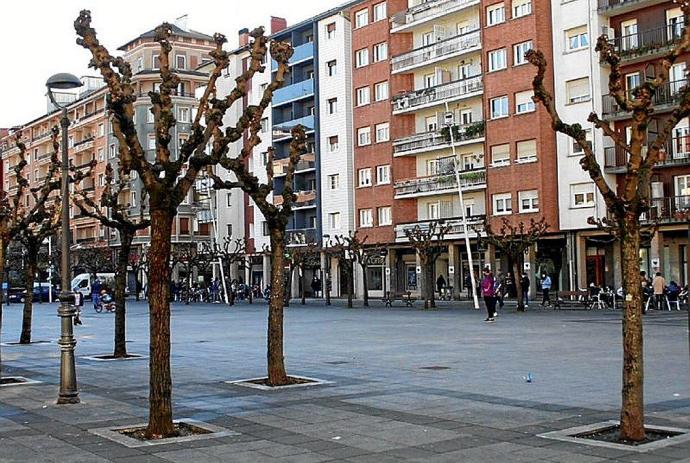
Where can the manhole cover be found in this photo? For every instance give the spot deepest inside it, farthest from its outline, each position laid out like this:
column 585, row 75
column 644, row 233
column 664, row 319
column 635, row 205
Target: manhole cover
column 337, row 362
column 435, row 367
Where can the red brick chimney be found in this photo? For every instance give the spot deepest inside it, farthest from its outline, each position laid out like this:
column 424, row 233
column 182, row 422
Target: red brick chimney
column 277, row 24
column 244, row 37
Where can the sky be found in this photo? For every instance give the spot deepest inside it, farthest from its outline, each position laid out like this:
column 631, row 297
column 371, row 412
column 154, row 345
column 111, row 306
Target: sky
column 39, row 40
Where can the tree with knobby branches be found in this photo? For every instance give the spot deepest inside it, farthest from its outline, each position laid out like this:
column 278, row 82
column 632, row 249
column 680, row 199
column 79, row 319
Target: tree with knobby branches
column 513, row 241
column 113, row 211
column 185, row 256
column 139, row 265
column 427, row 241
column 343, row 248
column 167, row 179
column 300, row 258
column 632, row 197
column 94, row 259
column 232, row 253
column 368, row 256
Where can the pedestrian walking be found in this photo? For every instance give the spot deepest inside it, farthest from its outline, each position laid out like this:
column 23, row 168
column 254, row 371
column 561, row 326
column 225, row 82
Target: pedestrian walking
column 545, row 288
column 315, row 285
column 488, row 292
column 96, row 291
column 524, row 283
column 658, row 284
column 440, row 284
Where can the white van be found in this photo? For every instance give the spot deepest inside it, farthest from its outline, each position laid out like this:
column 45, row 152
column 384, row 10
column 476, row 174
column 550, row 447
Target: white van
column 82, row 283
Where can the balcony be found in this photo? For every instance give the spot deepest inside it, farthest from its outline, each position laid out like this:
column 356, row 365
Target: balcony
column 426, row 12
column 665, row 99
column 616, row 7
column 439, row 139
column 300, row 237
column 449, row 48
column 452, row 91
column 305, row 200
column 83, row 145
column 675, row 153
column 648, row 43
column 300, row 54
column 204, row 216
column 440, row 184
column 307, row 163
column 294, row 92
column 455, row 223
column 282, row 131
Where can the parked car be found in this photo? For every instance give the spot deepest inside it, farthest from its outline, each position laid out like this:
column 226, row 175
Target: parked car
column 41, row 293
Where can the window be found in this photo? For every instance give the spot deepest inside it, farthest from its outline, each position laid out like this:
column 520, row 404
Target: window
column 433, row 211
column 383, row 174
column 184, row 226
column 334, row 220
column 111, row 151
column 364, row 136
column 228, row 199
column 431, row 123
column 264, row 125
column 133, row 199
column 70, row 141
column 382, row 132
column 333, row 143
column 632, row 81
column 495, row 14
column 101, row 180
column 364, row 176
column 101, row 154
column 381, row 91
column 523, row 102
column 497, row 60
column 149, row 116
column 582, row 194
column 155, row 62
column 384, row 216
column 577, row 90
column 503, row 204
column 330, row 30
column 500, row 155
column 529, row 201
column 499, row 107
column 380, row 52
column 151, row 143
column 577, row 38
column 183, row 114
column 519, row 51
column 333, row 181
column 101, row 130
column 140, row 64
column 629, row 34
column 362, row 18
column 332, row 67
column 380, row 11
column 332, row 105
column 365, row 218
column 527, row 151
column 576, row 149
column 430, row 80
column 362, row 96
column 181, row 62
column 361, row 57
column 521, row 8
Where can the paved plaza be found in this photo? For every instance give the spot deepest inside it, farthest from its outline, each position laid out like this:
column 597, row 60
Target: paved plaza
column 407, row 385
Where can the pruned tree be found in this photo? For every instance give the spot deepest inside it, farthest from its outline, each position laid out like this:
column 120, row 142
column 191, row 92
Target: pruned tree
column 513, row 241
column 627, row 202
column 368, row 256
column 300, row 258
column 343, row 248
column 184, row 255
column 139, row 264
column 427, row 241
column 231, row 252
column 113, row 211
column 94, row 259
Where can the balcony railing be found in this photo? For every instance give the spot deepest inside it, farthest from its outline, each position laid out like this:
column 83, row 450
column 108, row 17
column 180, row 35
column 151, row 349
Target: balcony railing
column 669, row 209
column 424, row 11
column 438, row 138
column 293, row 92
column 665, row 96
column 301, row 53
column 304, row 199
column 282, row 130
column 306, row 162
column 435, row 51
column 676, row 151
column 455, row 223
column 300, row 237
column 438, row 94
column 440, row 184
column 83, row 145
column 647, row 42
column 610, row 7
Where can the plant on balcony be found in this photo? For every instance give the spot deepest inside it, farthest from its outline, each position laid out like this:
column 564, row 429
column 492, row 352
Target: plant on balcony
column 445, row 133
column 427, row 241
column 111, row 211
column 513, row 241
column 631, row 198
column 167, row 178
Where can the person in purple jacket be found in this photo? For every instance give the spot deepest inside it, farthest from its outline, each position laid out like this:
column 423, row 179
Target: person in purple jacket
column 489, row 293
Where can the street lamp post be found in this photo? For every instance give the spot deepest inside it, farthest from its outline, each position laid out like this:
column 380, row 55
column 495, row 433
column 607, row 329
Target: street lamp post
column 383, row 253
column 69, row 394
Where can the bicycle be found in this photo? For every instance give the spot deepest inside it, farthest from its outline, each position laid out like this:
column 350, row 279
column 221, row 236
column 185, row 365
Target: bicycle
column 104, row 302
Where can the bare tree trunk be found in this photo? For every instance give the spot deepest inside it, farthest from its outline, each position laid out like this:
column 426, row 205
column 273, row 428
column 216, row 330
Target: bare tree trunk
column 365, row 285
column 120, row 350
column 350, row 286
column 518, row 286
column 160, row 381
column 29, row 277
column 276, row 362
column 304, row 283
column 632, row 410
column 3, row 253
column 432, row 285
